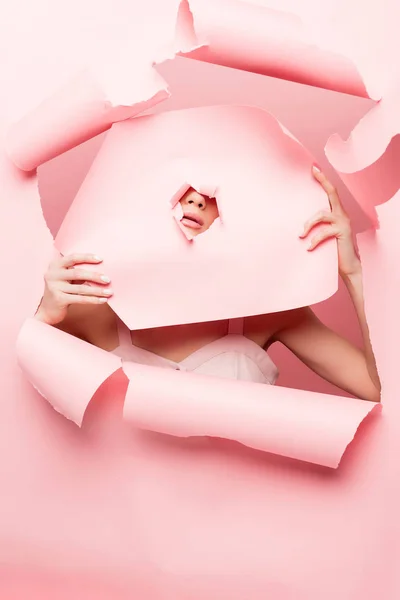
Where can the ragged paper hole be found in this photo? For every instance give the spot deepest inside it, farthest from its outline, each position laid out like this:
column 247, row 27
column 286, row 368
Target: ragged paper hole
column 195, row 209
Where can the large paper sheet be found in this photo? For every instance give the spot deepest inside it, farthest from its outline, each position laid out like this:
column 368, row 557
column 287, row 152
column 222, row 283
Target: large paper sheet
column 250, row 261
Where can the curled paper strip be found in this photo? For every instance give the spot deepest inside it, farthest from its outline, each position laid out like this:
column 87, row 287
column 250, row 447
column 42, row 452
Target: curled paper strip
column 84, row 108
column 303, row 425
column 64, row 369
column 250, row 37
column 306, row 426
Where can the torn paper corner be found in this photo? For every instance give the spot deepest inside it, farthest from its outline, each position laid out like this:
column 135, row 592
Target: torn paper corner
column 177, row 213
column 374, row 410
column 287, row 132
column 65, row 370
column 186, row 38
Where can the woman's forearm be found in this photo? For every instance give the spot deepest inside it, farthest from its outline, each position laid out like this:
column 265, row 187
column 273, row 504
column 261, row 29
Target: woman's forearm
column 354, row 285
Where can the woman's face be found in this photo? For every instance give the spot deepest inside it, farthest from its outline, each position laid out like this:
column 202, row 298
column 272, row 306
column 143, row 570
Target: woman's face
column 199, row 212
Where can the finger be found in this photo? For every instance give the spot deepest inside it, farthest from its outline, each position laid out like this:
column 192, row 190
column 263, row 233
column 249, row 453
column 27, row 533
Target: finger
column 73, row 274
column 75, row 259
column 320, row 217
column 85, row 290
column 325, row 234
column 328, row 188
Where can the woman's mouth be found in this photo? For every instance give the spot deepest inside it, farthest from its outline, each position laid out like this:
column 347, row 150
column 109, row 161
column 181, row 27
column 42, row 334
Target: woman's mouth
column 192, row 220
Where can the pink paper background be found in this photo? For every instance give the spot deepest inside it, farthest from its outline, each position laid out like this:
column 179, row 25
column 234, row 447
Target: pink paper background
column 100, row 513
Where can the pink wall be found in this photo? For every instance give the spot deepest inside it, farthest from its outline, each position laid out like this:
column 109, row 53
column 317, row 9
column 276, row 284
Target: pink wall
column 102, row 513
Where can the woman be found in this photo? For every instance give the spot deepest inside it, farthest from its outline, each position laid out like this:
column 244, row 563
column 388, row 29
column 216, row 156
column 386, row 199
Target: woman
column 75, row 300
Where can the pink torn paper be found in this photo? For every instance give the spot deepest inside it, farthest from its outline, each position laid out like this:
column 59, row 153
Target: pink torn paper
column 84, row 108
column 368, row 162
column 306, row 426
column 64, row 369
column 251, row 260
column 251, row 37
column 233, row 33
column 297, row 424
column 207, row 190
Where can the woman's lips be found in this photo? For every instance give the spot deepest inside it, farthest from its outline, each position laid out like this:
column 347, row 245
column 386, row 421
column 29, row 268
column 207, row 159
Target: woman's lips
column 192, row 221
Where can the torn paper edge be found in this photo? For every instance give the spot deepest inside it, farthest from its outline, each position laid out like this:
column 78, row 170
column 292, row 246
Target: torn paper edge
column 114, row 104
column 375, row 410
column 342, row 153
column 119, row 364
column 209, row 190
column 187, row 41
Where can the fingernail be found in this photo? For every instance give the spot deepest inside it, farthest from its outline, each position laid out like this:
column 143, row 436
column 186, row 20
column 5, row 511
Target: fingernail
column 96, row 257
column 316, row 168
column 102, row 300
column 105, row 279
column 107, row 292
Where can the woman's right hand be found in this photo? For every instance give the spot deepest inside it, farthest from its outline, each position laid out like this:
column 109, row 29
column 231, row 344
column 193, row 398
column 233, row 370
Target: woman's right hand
column 66, row 284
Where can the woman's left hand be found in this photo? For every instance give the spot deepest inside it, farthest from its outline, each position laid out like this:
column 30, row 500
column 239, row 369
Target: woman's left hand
column 337, row 226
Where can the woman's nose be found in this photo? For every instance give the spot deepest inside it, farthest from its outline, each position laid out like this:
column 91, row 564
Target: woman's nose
column 200, row 202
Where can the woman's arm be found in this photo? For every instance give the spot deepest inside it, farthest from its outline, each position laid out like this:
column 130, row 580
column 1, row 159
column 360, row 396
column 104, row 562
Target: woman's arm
column 354, row 286
column 328, row 354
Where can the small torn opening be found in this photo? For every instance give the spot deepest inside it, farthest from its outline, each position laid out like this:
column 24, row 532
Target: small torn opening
column 195, row 209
